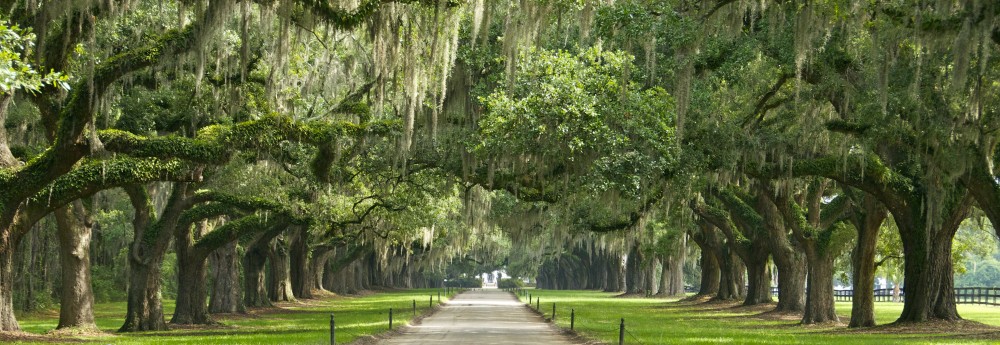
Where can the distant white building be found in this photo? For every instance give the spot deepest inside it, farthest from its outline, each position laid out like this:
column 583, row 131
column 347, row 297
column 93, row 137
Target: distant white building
column 491, row 279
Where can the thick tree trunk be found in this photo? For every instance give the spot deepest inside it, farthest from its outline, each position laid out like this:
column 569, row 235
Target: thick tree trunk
column 649, row 277
column 254, row 277
column 74, row 228
column 300, row 273
column 928, row 273
column 711, row 274
column 191, row 291
column 675, row 273
column 787, row 255
column 8, row 322
column 731, row 273
column 791, row 289
column 145, row 310
column 226, row 293
column 758, row 280
column 280, row 283
column 863, row 267
column 192, row 287
column 320, row 256
column 614, row 271
column 7, row 159
column 664, row 287
column 819, row 298
column 633, row 271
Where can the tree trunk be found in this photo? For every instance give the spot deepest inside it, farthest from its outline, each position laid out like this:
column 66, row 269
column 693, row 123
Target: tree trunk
column 192, row 287
column 76, row 299
column 649, row 277
column 320, row 256
column 819, row 295
column 664, row 288
column 633, row 271
column 928, row 273
column 191, row 291
column 867, row 222
column 787, row 255
column 758, row 280
column 614, row 271
column 279, row 283
column 731, row 272
column 300, row 274
column 7, row 159
column 145, row 257
column 710, row 274
column 676, row 285
column 8, row 323
column 254, row 277
column 145, row 310
column 226, row 293
column 791, row 278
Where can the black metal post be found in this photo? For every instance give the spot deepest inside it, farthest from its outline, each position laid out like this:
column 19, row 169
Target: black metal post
column 414, row 307
column 333, row 332
column 390, row 318
column 430, row 301
column 572, row 318
column 621, row 333
column 538, row 304
column 553, row 312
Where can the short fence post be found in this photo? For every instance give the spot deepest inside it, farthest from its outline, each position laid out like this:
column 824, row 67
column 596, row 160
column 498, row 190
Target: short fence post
column 333, row 332
column 414, row 307
column 430, row 301
column 390, row 318
column 621, row 333
column 538, row 304
column 529, row 298
column 553, row 312
column 572, row 318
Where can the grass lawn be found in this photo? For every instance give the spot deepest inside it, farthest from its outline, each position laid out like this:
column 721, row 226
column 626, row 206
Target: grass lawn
column 659, row 321
column 294, row 323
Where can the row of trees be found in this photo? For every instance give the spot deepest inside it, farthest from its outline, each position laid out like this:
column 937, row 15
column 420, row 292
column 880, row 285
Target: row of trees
column 791, row 132
column 257, row 139
column 306, row 145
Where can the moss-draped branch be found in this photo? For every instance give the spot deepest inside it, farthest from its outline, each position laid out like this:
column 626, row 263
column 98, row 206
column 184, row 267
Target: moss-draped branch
column 217, row 144
column 347, row 19
column 68, row 146
column 866, row 172
column 243, row 228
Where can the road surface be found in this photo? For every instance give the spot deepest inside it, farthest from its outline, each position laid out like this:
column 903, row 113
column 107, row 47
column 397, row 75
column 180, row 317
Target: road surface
column 481, row 317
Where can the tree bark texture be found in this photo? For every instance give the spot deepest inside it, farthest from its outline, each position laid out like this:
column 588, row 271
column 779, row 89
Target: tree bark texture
column 279, row 282
column 192, row 278
column 226, row 292
column 758, row 280
column 867, row 220
column 820, row 304
column 300, row 273
column 8, row 322
column 74, row 229
column 152, row 239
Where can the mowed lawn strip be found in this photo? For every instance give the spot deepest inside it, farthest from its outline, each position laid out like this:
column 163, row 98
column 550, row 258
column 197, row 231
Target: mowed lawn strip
column 667, row 321
column 304, row 322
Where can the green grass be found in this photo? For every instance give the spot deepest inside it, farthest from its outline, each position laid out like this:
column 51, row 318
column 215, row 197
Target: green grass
column 299, row 323
column 659, row 321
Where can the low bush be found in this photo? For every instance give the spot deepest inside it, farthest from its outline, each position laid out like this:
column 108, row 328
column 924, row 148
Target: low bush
column 510, row 283
column 464, row 282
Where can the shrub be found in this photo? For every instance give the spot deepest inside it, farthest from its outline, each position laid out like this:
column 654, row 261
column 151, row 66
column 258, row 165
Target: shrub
column 510, row 283
column 464, row 282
